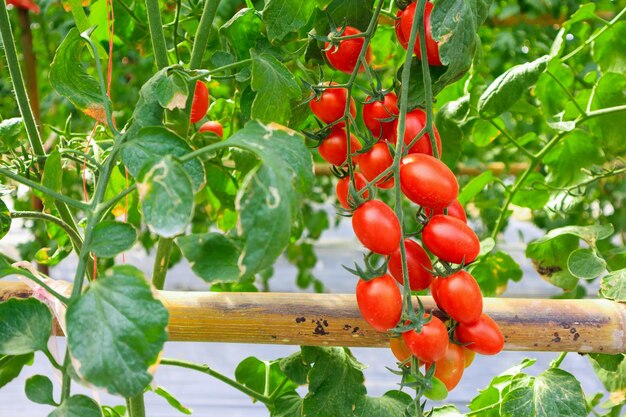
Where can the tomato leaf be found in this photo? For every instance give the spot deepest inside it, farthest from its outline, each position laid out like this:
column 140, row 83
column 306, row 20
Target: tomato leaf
column 11, row 366
column 609, row 363
column 5, row 219
column 475, row 186
column 52, row 177
column 25, row 326
column 262, row 376
column 613, row 286
column 391, row 404
column 494, row 271
column 39, row 390
column 557, row 393
column 528, row 196
column 609, row 90
column 584, row 263
column 567, row 159
column 288, row 405
column 609, row 49
column 111, row 238
column 243, row 30
column 213, row 257
column 284, row 16
column 10, row 130
column 171, row 400
column 449, row 119
column 116, row 330
column 77, row 406
column 518, row 402
column 70, row 79
column 296, row 368
column 445, row 411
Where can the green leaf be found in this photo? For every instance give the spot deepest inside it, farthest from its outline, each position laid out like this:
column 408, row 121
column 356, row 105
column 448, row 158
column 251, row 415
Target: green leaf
column 494, row 271
column 70, row 79
column 518, row 402
column 116, row 330
column 111, row 238
column 549, row 93
column 609, row 363
column 613, row 381
column 448, row 121
column 483, row 133
column 584, row 263
column 275, row 88
column 445, row 411
column 39, row 390
column 566, row 160
column 296, row 368
column 584, row 12
column 262, row 376
column 10, row 130
column 590, row 234
column 355, row 13
column 609, row 49
column 11, row 366
column 528, row 196
column 243, row 30
column 391, row 404
column 166, row 194
column 558, row 393
column 505, row 90
column 613, row 286
column 25, row 326
column 52, row 177
column 212, row 256
column 172, row 92
column 77, row 406
column 609, row 91
column 271, row 194
column 5, row 219
column 417, row 95
column 284, row 16
column 155, row 142
column 288, row 405
column 475, row 186
column 171, row 400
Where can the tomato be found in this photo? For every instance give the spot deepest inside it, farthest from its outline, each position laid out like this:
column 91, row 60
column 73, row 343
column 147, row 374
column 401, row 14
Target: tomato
column 417, row 262
column 343, row 188
column 25, row 4
column 437, row 391
column 399, row 34
column 380, row 302
column 406, row 21
column 459, row 295
column 449, row 369
column 200, row 103
column 431, row 344
column 455, row 209
column 375, row 112
column 331, row 104
column 377, row 227
column 212, row 126
column 469, row 356
column 334, row 149
column 344, row 57
column 450, row 239
column 483, row 336
column 374, row 162
column 399, row 349
column 415, row 122
column 427, row 181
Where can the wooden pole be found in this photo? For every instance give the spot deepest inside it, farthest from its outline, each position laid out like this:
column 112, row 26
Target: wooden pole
column 334, row 320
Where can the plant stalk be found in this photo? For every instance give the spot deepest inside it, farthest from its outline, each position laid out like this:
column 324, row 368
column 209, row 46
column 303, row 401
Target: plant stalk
column 161, row 262
column 202, row 33
column 156, row 33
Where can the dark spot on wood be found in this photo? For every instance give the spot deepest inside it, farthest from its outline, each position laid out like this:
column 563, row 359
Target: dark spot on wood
column 566, row 325
column 601, row 348
column 536, row 344
column 319, row 329
column 325, row 323
column 300, row 320
column 572, row 330
column 347, row 327
column 356, row 329
column 557, row 339
column 274, row 337
column 576, row 336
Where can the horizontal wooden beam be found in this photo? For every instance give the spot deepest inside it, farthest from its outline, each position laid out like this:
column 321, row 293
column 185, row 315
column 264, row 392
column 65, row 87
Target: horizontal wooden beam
column 334, row 320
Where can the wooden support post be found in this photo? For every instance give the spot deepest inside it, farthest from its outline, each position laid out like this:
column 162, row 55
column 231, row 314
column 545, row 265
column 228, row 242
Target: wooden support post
column 334, row 320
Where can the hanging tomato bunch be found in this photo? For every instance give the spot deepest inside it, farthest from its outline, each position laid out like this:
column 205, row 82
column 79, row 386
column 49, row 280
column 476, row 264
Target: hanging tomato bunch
column 436, row 255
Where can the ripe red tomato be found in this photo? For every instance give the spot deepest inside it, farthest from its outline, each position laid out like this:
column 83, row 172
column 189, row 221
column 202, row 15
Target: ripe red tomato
column 344, row 56
column 200, row 103
column 399, row 349
column 380, row 302
column 417, row 262
column 415, row 122
column 427, row 181
column 406, row 21
column 377, row 227
column 459, row 295
column 331, row 104
column 483, row 336
column 334, row 149
column 212, row 126
column 431, row 344
column 450, row 239
column 375, row 112
column 343, row 187
column 449, row 369
column 455, row 209
column 399, row 34
column 25, row 4
column 374, row 162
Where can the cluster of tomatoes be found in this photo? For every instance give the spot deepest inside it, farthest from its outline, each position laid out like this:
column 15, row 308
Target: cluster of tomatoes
column 199, row 108
column 427, row 182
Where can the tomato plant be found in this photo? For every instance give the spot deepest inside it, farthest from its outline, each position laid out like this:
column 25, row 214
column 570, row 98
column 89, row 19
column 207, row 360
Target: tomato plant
column 451, row 239
column 345, row 55
column 428, row 182
column 380, row 302
column 406, row 21
column 377, row 227
column 334, row 148
column 482, row 336
column 331, row 104
column 431, row 343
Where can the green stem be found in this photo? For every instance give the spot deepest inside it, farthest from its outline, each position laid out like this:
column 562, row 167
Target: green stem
column 207, row 370
column 510, row 138
column 202, row 33
column 156, row 33
column 109, row 204
column 26, row 273
column 19, row 88
column 593, row 37
column 230, row 66
column 66, row 385
column 76, row 239
column 161, row 261
column 136, row 407
column 52, row 360
column 557, row 362
column 566, row 91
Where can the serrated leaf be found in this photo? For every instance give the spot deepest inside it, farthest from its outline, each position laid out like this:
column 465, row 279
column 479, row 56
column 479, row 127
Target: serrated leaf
column 505, row 90
column 39, row 390
column 284, row 16
column 558, row 393
column 475, row 186
column 391, row 404
column 77, row 406
column 288, row 405
column 613, row 286
column 70, row 79
column 295, row 368
column 166, row 194
column 494, row 271
column 566, row 160
column 116, row 330
column 584, row 263
column 243, row 30
column 275, row 88
column 518, row 402
column 11, row 366
column 25, row 326
column 212, row 256
column 111, row 238
column 5, row 219
column 171, row 400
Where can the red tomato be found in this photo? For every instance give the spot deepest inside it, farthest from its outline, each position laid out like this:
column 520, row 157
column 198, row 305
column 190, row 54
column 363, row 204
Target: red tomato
column 427, row 181
column 331, row 104
column 418, row 265
column 200, row 103
column 343, row 187
column 415, row 122
column 212, row 126
column 377, row 227
column 398, row 27
column 449, row 369
column 459, row 295
column 375, row 112
column 374, row 162
column 455, row 209
column 469, row 356
column 334, row 149
column 345, row 56
column 380, row 302
column 399, row 349
column 450, row 239
column 483, row 336
column 432, row 49
column 25, row 4
column 431, row 344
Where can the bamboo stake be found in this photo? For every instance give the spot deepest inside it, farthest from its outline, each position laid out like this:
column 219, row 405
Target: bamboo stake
column 334, row 320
